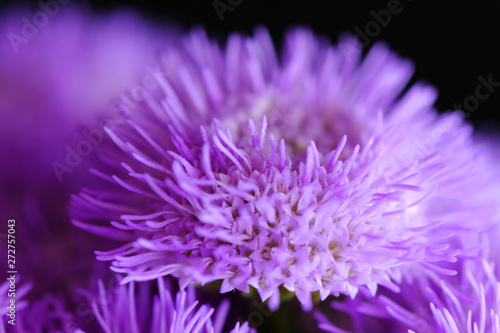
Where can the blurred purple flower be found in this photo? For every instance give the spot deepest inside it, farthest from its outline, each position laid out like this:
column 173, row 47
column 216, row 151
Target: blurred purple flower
column 488, row 139
column 63, row 80
column 132, row 309
column 427, row 303
column 58, row 85
column 47, row 314
column 361, row 181
column 5, row 302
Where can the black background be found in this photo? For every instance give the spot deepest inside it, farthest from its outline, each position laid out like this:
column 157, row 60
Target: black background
column 452, row 43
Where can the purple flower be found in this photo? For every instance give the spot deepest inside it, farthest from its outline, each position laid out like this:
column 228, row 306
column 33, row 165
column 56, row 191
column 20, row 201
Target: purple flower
column 341, row 184
column 132, row 309
column 55, row 88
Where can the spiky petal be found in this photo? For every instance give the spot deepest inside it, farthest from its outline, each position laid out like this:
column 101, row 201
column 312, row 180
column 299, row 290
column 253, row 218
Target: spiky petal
column 132, row 309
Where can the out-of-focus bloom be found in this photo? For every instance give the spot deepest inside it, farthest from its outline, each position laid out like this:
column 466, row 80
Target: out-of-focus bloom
column 56, row 91
column 488, row 139
column 46, row 314
column 5, row 302
column 132, row 309
column 61, row 81
column 468, row 302
column 341, row 184
column 57, row 84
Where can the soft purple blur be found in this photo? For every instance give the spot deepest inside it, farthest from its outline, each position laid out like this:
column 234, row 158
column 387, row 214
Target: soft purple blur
column 57, row 88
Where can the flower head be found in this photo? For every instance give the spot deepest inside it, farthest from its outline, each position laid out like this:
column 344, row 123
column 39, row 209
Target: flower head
column 358, row 183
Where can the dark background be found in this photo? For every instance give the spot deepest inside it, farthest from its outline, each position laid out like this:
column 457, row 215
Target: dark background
column 452, row 43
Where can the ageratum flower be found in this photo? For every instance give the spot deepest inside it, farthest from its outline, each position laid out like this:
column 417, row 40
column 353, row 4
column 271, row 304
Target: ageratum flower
column 56, row 87
column 342, row 183
column 469, row 302
column 132, row 309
